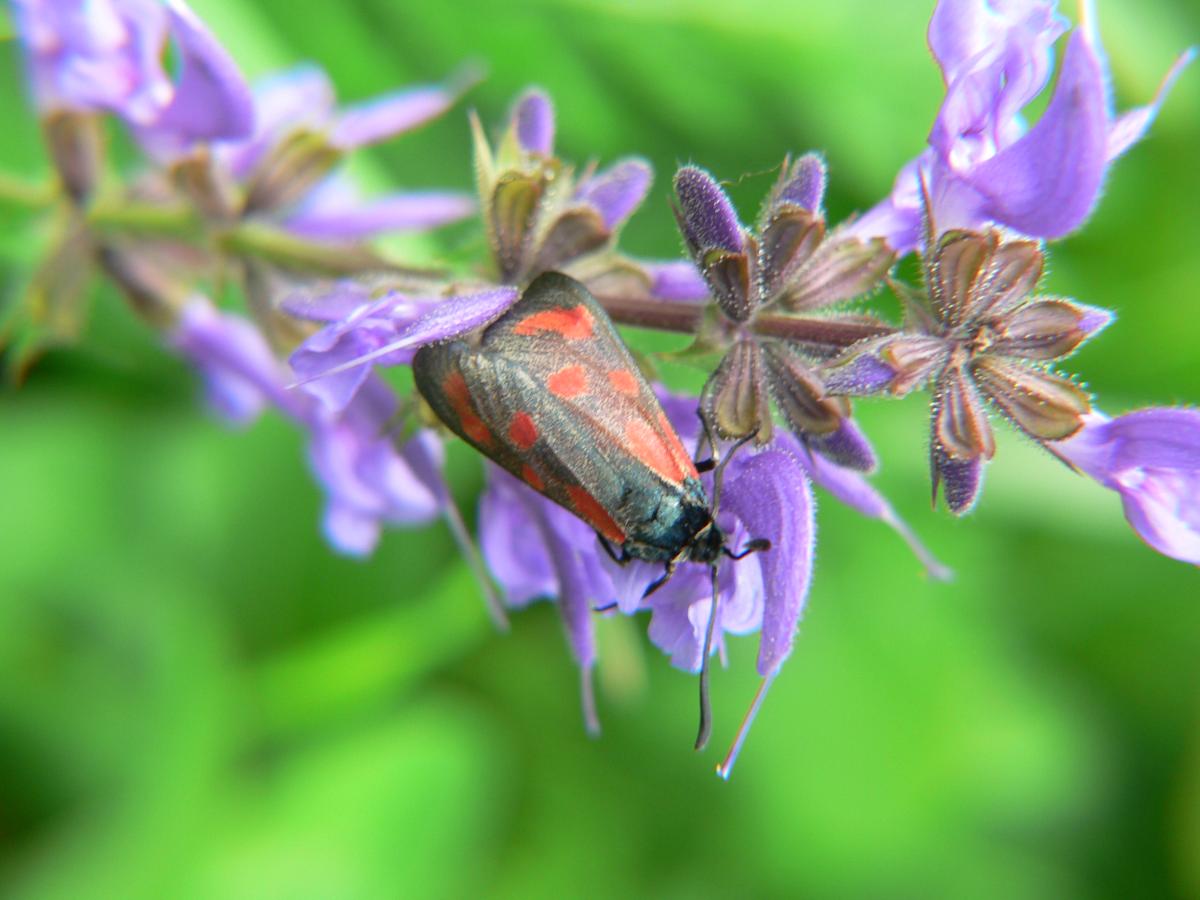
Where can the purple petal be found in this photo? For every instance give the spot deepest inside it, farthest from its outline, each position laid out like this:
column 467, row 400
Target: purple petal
column 1151, row 457
column 847, row 446
column 898, row 218
column 806, row 186
column 241, row 373
column 331, row 212
column 616, row 192
column 1095, row 319
column 852, row 489
column 299, row 98
column 995, row 59
column 1046, row 183
column 330, row 304
column 212, row 100
column 1131, row 125
column 99, row 55
column 438, row 319
column 770, row 494
column 1158, row 438
column 961, row 480
column 680, row 609
column 384, row 117
column 707, row 218
column 521, row 566
column 533, row 118
column 366, row 479
column 962, row 31
column 679, row 280
column 863, row 375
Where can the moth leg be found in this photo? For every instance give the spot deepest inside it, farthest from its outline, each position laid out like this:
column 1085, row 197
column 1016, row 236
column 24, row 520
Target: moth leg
column 621, row 560
column 757, row 545
column 719, row 472
column 666, row 576
column 607, row 607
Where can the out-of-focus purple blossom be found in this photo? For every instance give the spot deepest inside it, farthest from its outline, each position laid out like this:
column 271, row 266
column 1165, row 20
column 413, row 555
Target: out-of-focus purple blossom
column 851, row 488
column 211, row 100
column 617, row 191
column 334, row 362
column 983, row 164
column 536, row 549
column 96, row 56
column 241, row 374
column 533, row 121
column 1150, row 457
column 367, row 480
column 676, row 280
column 108, row 55
column 336, row 210
column 288, row 165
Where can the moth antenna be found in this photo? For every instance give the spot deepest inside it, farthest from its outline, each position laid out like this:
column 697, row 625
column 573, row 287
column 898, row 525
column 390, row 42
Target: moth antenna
column 725, row 769
column 705, row 729
column 466, row 544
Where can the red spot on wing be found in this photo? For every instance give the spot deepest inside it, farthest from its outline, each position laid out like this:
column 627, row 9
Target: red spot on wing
column 624, row 382
column 533, row 479
column 682, row 457
column 589, row 509
column 522, row 432
column 574, row 323
column 569, row 381
column 459, row 396
column 655, row 451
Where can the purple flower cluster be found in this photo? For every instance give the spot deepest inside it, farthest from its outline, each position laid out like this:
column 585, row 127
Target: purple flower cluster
column 369, row 477
column 259, row 175
column 984, row 165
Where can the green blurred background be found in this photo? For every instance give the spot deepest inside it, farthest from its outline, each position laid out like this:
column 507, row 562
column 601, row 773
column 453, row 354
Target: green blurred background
column 198, row 699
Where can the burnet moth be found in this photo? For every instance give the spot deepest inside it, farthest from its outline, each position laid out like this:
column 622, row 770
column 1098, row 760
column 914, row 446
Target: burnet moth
column 550, row 393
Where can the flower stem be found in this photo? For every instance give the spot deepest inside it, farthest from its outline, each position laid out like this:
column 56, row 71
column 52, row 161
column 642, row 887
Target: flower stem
column 17, row 191
column 686, row 318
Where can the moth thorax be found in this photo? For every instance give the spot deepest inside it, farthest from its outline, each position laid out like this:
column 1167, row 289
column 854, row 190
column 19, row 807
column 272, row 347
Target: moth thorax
column 706, row 544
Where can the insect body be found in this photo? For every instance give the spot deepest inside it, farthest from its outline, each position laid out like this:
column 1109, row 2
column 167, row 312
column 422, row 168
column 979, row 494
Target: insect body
column 550, row 393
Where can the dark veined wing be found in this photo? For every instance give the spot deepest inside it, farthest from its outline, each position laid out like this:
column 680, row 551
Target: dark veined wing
column 552, row 395
column 563, row 339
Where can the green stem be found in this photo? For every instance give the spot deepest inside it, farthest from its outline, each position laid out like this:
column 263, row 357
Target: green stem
column 176, row 220
column 19, row 192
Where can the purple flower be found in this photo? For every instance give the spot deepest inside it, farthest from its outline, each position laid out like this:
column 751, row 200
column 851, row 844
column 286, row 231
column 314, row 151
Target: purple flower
column 983, row 165
column 241, row 374
column 334, row 362
column 108, row 55
column 536, row 549
column 538, row 218
column 786, row 267
column 368, row 480
column 288, row 165
column 1150, row 457
column 981, row 339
